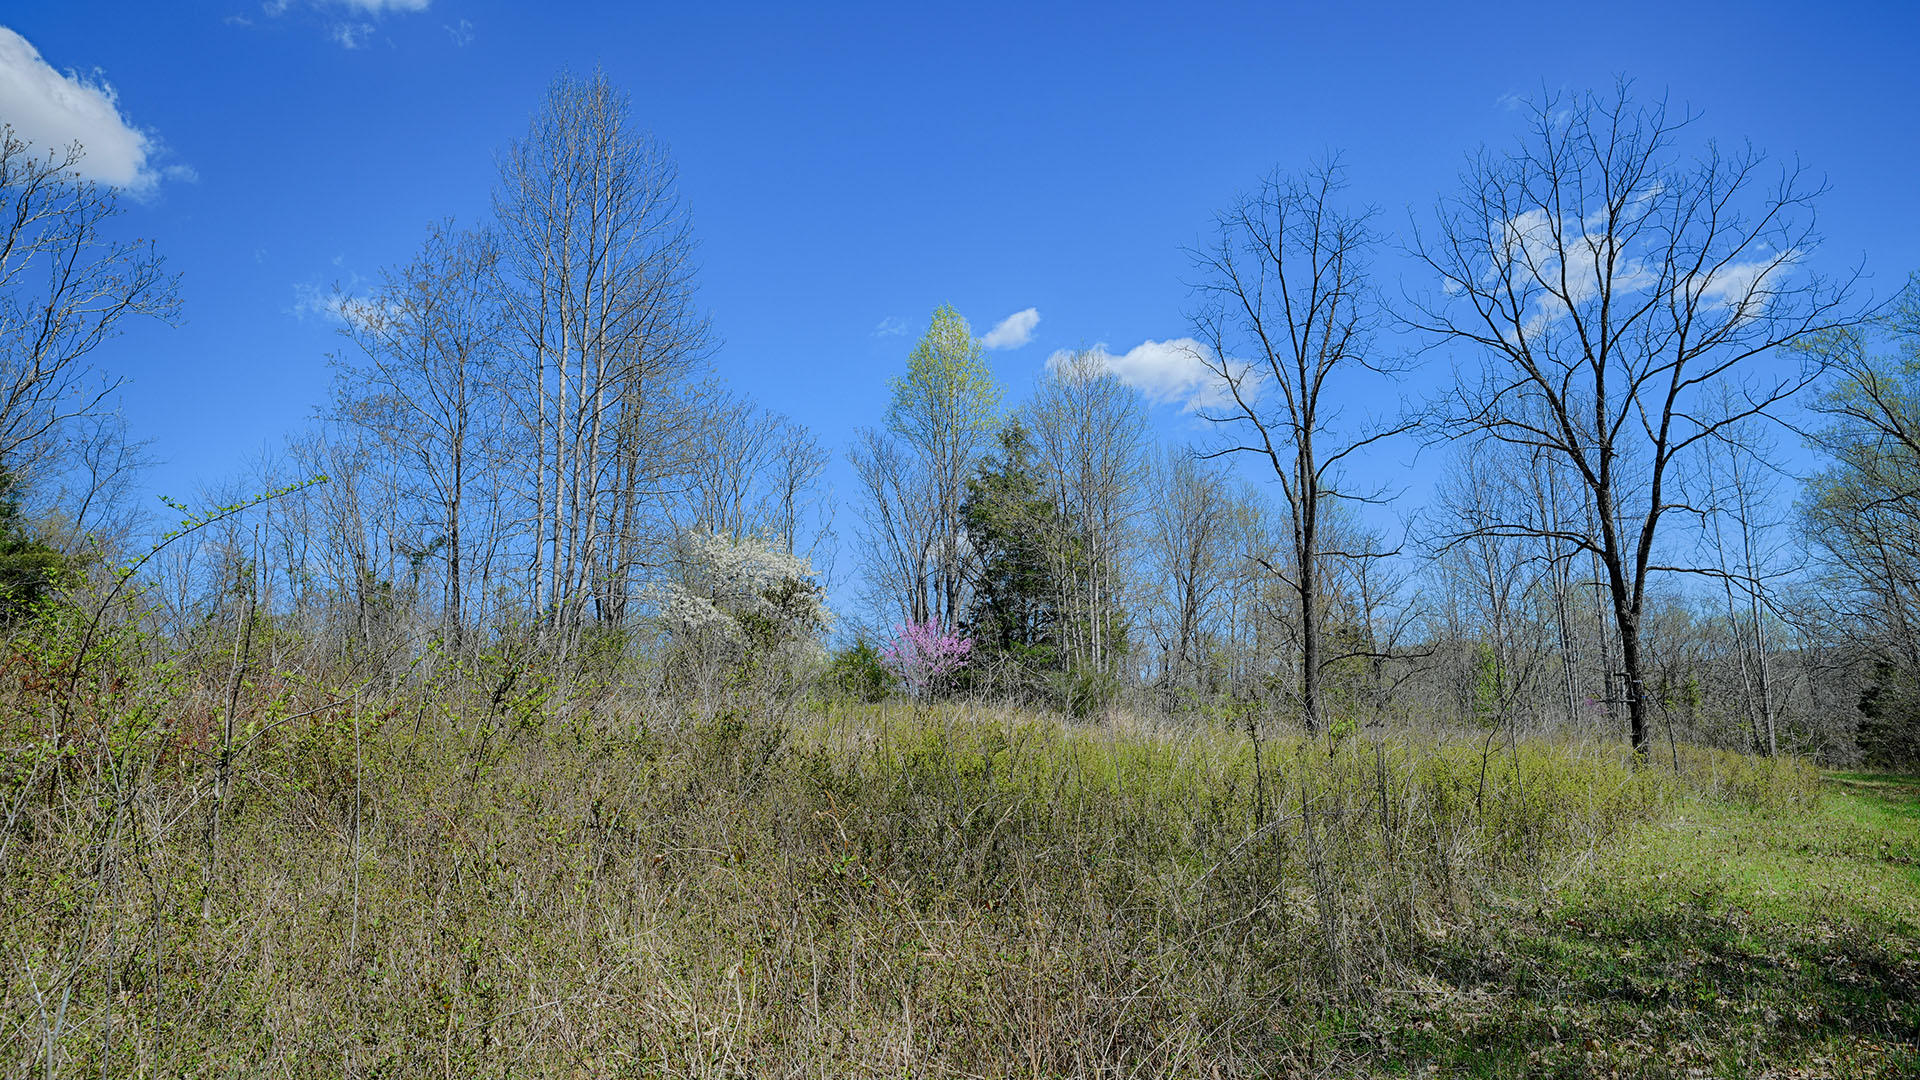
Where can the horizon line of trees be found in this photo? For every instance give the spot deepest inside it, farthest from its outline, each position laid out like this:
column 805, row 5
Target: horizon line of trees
column 527, row 443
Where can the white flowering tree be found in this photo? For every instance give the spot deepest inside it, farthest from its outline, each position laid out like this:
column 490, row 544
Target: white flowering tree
column 742, row 610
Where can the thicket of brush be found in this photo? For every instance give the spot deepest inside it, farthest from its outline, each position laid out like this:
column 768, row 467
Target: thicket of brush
column 475, row 873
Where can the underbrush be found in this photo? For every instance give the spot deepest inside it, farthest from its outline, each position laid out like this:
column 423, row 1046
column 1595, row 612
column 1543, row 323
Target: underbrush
column 482, row 880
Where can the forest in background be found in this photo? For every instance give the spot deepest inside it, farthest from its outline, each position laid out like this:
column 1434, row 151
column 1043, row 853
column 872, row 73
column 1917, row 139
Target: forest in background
column 530, row 451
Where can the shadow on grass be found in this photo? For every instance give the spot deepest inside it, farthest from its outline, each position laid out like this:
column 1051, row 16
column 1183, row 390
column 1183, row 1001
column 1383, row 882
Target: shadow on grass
column 1734, row 944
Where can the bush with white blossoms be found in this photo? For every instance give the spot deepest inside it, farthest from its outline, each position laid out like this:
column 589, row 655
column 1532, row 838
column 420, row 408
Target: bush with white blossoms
column 742, row 605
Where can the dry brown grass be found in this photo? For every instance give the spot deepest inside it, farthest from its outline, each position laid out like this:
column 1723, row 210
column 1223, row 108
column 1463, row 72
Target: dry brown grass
column 458, row 882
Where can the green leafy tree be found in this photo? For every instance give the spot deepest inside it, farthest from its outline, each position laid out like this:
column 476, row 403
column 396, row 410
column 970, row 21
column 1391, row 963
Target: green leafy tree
column 943, row 415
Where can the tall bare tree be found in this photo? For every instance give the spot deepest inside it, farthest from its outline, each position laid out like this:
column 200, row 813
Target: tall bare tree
column 1286, row 325
column 1089, row 435
column 1609, row 289
column 1188, row 557
column 426, row 383
column 897, row 525
column 598, row 264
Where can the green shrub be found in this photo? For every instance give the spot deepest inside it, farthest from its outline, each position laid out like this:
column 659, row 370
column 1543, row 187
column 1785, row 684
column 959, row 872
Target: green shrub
column 857, row 673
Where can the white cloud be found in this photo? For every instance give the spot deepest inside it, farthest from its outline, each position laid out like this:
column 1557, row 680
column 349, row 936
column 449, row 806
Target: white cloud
column 891, row 326
column 51, row 111
column 322, row 302
column 351, row 35
column 1744, row 289
column 460, row 33
column 368, row 7
column 339, row 305
column 1013, row 331
column 1561, row 262
column 346, row 21
column 1167, row 372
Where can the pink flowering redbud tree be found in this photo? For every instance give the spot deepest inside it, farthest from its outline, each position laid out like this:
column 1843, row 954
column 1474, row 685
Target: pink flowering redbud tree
column 922, row 654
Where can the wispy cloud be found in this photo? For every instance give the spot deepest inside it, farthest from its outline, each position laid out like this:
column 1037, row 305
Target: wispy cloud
column 51, row 110
column 323, row 303
column 350, row 35
column 351, row 24
column 336, row 303
column 1176, row 371
column 1561, row 263
column 317, row 302
column 1745, row 289
column 1013, row 331
column 367, row 7
column 461, row 33
column 891, row 326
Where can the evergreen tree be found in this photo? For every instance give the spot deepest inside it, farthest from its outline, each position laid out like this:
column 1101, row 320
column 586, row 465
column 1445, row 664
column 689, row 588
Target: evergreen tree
column 29, row 568
column 1014, row 615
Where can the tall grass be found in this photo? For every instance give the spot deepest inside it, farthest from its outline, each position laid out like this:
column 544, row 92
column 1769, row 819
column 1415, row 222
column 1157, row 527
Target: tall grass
column 478, row 879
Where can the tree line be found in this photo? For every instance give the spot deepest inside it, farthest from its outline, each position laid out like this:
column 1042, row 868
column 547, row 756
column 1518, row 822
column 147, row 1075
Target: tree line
column 528, row 450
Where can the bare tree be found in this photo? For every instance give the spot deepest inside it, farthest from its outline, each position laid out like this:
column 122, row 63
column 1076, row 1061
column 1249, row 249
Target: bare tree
column 1187, row 558
column 598, row 264
column 1609, row 289
column 1089, row 435
column 428, row 337
column 1505, row 580
column 739, row 444
column 897, row 525
column 1286, row 322
column 794, row 495
column 754, row 471
column 84, row 498
column 66, row 286
column 1735, row 472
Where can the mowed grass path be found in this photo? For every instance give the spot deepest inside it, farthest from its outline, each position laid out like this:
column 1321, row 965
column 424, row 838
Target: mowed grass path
column 1723, row 942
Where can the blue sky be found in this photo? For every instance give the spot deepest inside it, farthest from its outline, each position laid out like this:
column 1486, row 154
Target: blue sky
column 851, row 167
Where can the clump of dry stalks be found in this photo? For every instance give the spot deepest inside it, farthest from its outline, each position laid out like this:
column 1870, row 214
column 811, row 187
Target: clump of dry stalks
column 477, row 876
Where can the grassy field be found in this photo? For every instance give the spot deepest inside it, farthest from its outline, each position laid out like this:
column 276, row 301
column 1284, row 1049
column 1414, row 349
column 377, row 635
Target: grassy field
column 461, row 885
column 1725, row 940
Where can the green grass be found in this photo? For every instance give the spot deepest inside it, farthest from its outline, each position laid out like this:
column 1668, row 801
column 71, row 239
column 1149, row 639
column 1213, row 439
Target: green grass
column 1724, row 941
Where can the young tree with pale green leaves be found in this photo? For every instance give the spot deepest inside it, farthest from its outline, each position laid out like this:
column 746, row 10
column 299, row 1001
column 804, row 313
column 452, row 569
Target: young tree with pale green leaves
column 944, row 413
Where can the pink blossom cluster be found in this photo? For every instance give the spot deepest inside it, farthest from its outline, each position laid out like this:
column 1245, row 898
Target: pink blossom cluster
column 922, row 652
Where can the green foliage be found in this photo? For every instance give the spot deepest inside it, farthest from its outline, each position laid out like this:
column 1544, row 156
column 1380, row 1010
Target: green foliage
column 1862, row 514
column 29, row 568
column 857, row 673
column 1015, row 612
column 1489, row 685
column 947, row 394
